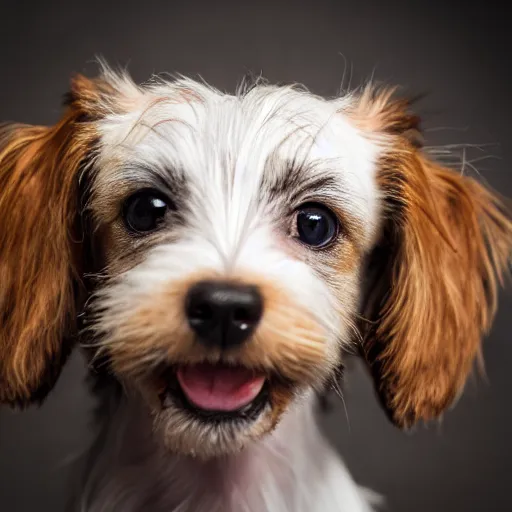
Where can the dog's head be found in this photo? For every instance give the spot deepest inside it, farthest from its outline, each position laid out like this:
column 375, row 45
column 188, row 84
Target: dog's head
column 223, row 252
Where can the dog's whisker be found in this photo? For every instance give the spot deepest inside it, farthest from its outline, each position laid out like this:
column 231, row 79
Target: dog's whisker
column 339, row 392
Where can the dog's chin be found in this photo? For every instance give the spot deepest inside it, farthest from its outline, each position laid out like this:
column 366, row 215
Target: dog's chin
column 213, row 410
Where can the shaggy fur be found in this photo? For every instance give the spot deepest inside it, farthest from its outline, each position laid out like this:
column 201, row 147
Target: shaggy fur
column 410, row 278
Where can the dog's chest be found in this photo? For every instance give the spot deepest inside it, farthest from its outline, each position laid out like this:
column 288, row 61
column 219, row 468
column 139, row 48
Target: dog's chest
column 292, row 470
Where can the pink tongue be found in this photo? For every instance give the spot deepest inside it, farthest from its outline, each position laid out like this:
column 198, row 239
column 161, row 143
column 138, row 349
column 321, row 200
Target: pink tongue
column 218, row 387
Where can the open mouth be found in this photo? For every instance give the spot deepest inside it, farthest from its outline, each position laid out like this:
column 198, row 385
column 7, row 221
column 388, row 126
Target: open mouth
column 218, row 392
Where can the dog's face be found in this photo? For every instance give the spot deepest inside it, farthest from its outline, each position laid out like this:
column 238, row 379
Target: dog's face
column 233, row 229
column 234, row 246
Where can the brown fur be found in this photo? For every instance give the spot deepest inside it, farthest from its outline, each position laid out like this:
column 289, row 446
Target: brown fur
column 288, row 340
column 40, row 245
column 447, row 243
column 280, row 398
column 379, row 111
column 343, row 259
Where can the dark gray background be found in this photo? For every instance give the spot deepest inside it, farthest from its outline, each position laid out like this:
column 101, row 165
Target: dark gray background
column 453, row 51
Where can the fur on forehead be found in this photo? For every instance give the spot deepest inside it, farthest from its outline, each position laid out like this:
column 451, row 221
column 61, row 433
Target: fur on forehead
column 222, row 143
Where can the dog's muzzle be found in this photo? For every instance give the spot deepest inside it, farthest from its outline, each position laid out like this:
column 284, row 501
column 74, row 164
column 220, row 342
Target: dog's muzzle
column 223, row 315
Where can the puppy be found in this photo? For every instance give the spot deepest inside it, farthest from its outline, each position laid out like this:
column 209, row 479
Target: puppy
column 216, row 256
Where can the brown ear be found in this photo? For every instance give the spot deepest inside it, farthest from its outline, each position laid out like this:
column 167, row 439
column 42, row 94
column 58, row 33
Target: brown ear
column 445, row 246
column 40, row 246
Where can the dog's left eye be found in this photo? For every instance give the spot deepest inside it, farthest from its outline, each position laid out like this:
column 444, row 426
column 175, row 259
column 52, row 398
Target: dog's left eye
column 316, row 225
column 145, row 210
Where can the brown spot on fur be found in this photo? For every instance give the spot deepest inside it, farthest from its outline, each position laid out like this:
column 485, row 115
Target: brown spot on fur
column 190, row 96
column 379, row 111
column 344, row 258
column 156, row 330
column 280, row 398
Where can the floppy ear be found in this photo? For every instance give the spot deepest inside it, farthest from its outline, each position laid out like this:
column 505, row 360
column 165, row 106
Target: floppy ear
column 41, row 245
column 433, row 277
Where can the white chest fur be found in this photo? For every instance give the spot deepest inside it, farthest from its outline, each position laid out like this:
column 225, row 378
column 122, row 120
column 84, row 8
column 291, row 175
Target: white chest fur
column 292, row 470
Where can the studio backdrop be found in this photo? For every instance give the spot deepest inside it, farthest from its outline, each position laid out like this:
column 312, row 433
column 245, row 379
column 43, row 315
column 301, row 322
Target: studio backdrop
column 450, row 52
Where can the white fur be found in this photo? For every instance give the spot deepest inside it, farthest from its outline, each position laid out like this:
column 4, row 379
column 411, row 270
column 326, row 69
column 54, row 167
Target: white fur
column 291, row 470
column 222, row 144
column 229, row 151
column 225, row 147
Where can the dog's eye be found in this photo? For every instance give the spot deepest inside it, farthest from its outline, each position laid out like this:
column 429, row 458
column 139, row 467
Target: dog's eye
column 316, row 225
column 144, row 211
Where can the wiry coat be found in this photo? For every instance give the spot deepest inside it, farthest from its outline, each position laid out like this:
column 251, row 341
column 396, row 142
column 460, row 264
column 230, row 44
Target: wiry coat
column 409, row 279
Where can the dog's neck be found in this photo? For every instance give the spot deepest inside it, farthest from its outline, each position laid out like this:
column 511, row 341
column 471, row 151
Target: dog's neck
column 291, row 470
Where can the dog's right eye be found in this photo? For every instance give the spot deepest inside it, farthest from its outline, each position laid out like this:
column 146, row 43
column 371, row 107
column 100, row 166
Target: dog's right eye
column 145, row 210
column 316, row 225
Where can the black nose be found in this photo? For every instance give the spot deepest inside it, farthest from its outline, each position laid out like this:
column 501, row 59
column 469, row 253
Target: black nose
column 223, row 314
